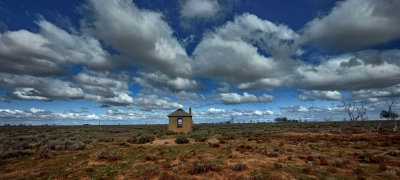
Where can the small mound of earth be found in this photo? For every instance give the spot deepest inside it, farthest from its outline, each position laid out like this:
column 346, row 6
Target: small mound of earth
column 213, row 140
column 163, row 142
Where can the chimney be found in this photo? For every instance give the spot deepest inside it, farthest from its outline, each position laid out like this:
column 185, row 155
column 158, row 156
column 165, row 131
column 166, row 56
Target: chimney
column 190, row 111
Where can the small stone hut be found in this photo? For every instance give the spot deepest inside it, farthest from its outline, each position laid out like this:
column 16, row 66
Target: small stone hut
column 180, row 121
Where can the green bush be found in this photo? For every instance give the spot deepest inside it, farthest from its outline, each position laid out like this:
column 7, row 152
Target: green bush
column 170, row 132
column 238, row 167
column 175, row 169
column 273, row 154
column 141, row 138
column 109, row 156
column 203, row 167
column 181, row 139
column 260, row 174
column 200, row 136
column 161, row 135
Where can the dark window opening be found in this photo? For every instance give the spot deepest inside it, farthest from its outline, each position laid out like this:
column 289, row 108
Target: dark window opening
column 179, row 123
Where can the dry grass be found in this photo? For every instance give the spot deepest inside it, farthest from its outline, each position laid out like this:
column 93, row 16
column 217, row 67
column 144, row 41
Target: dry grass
column 328, row 150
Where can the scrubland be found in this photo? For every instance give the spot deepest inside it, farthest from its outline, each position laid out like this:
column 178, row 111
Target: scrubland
column 319, row 150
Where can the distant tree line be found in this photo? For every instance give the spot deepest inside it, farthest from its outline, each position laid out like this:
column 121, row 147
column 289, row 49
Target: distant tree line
column 285, row 119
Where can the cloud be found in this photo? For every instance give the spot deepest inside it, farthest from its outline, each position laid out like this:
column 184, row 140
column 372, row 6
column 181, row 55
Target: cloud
column 5, row 99
column 355, row 24
column 225, row 87
column 324, row 95
column 234, row 98
column 115, row 112
column 75, row 48
column 373, row 94
column 215, row 111
column 29, row 57
column 35, row 111
column 252, row 113
column 263, row 83
column 231, row 53
column 40, row 116
column 268, row 112
column 188, row 96
column 44, row 53
column 105, row 106
column 159, row 80
column 295, row 108
column 266, row 98
column 105, row 87
column 152, row 102
column 205, row 9
column 3, row 27
column 23, row 52
column 336, row 73
column 142, row 36
column 40, row 88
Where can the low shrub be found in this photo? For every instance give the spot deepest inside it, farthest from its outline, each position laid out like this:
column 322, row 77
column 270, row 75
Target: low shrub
column 109, row 156
column 203, row 167
column 106, row 139
column 200, row 136
column 141, row 139
column 369, row 158
column 15, row 153
column 263, row 152
column 46, row 153
column 150, row 157
column 161, row 135
column 170, row 132
column 181, row 139
column 175, row 169
column 307, row 170
column 273, row 154
column 359, row 170
column 260, row 174
column 341, row 163
column 214, row 145
column 238, row 167
column 166, row 176
column 278, row 166
column 323, row 161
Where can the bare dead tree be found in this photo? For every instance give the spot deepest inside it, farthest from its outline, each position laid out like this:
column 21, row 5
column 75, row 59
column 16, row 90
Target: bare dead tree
column 361, row 111
column 389, row 102
column 328, row 119
column 354, row 112
column 393, row 115
column 350, row 108
column 379, row 125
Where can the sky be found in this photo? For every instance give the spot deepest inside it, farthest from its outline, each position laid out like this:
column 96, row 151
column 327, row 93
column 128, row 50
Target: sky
column 134, row 62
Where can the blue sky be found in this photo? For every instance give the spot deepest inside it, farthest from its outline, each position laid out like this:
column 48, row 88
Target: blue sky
column 133, row 62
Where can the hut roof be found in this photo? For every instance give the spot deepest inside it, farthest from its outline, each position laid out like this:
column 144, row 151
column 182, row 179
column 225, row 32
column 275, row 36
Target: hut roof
column 180, row 113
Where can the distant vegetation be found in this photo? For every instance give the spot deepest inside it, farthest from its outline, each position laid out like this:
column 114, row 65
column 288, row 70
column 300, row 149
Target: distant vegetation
column 284, row 119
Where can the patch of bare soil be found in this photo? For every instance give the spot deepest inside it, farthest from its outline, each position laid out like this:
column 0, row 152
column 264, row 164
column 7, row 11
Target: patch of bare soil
column 306, row 133
column 95, row 162
column 119, row 177
column 213, row 140
column 168, row 142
